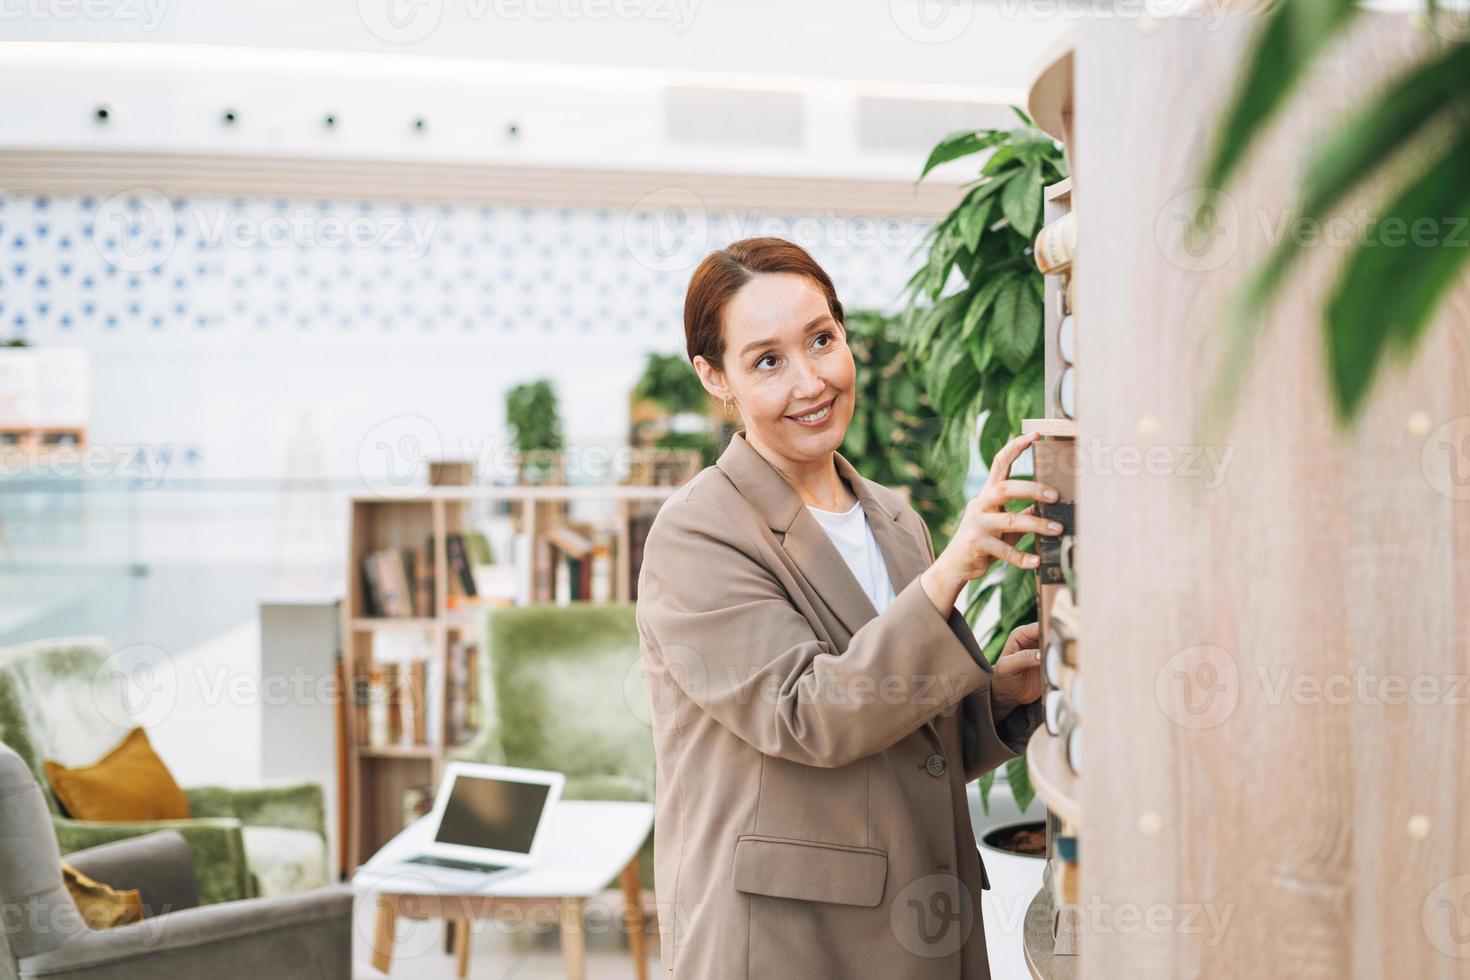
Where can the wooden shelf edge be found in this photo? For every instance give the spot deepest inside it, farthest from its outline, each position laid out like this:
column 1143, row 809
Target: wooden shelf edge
column 1051, row 428
column 369, row 624
column 1060, row 191
column 427, row 752
column 1049, row 96
column 1051, row 777
column 1041, row 962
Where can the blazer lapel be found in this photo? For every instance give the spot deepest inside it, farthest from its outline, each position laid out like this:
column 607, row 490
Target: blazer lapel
column 806, row 541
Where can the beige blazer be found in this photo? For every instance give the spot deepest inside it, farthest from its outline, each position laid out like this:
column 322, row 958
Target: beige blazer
column 812, row 755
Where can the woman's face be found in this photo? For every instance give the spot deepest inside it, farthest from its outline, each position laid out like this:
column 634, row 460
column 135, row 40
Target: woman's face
column 787, row 367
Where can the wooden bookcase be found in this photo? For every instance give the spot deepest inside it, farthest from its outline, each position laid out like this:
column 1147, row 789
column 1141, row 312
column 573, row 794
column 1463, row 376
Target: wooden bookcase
column 1230, row 823
column 377, row 776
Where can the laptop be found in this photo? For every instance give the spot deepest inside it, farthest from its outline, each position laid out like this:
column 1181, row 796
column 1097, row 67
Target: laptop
column 488, row 821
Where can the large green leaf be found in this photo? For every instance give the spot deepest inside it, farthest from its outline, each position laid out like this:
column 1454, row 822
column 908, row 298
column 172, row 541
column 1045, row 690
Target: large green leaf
column 1295, row 31
column 1388, row 292
column 1026, row 397
column 1020, row 779
column 984, row 298
column 1021, row 201
column 1360, row 147
column 973, row 221
column 1016, row 323
column 957, row 145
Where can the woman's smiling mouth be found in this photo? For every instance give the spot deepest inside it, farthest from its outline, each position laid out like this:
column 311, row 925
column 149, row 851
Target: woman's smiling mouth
column 817, row 417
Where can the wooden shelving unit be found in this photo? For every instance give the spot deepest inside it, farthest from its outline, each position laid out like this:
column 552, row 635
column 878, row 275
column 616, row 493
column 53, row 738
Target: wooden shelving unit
column 377, row 776
column 1330, row 830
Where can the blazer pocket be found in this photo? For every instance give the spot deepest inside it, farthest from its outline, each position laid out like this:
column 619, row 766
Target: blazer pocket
column 810, row 871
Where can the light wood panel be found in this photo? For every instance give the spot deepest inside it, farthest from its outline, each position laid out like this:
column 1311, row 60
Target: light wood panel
column 1268, row 830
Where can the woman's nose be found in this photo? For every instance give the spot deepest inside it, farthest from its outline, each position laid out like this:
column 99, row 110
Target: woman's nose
column 808, row 383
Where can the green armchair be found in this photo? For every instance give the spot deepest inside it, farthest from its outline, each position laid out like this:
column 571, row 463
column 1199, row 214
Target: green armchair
column 562, row 688
column 56, row 703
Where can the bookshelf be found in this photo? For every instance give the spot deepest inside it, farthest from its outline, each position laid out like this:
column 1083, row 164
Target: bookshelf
column 379, row 774
column 1320, row 551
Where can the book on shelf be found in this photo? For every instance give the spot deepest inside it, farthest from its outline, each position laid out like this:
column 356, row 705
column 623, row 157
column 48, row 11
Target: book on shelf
column 463, row 692
column 397, row 583
column 461, row 578
column 638, row 527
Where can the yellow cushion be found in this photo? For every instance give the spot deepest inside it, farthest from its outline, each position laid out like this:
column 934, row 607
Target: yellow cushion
column 129, row 783
column 102, row 906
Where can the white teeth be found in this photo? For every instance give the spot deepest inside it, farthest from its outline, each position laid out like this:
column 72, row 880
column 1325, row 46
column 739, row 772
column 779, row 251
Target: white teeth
column 815, row 416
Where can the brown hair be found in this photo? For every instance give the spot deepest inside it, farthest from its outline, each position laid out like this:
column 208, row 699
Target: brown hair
column 721, row 275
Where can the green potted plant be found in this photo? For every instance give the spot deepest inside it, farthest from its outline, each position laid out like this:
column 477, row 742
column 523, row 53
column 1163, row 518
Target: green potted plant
column 533, row 414
column 679, row 419
column 973, row 326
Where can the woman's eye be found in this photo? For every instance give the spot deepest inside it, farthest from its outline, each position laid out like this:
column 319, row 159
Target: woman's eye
column 823, row 340
column 769, row 357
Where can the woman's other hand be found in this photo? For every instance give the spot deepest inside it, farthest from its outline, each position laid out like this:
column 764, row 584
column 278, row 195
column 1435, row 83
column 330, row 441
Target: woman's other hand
column 987, row 531
column 1018, row 679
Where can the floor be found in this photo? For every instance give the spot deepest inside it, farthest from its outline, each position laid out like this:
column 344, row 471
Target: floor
column 527, row 948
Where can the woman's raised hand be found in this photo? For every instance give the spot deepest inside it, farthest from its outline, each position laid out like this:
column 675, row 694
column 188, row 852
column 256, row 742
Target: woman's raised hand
column 987, row 531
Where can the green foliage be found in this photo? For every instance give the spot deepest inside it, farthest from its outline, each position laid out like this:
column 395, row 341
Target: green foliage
column 1387, row 290
column 534, row 417
column 670, row 381
column 973, row 328
column 890, row 438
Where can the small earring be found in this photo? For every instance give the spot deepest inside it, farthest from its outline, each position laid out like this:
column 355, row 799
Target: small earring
column 729, row 408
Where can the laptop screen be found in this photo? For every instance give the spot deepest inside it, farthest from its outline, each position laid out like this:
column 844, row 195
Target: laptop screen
column 494, row 813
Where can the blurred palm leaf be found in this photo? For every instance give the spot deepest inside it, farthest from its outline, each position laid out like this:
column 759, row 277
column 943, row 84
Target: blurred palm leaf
column 1385, row 296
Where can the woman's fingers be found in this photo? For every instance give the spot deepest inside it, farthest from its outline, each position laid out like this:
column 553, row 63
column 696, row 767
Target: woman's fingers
column 1018, row 662
column 1009, row 554
column 1023, row 490
column 1000, row 467
column 1018, row 522
column 1024, row 637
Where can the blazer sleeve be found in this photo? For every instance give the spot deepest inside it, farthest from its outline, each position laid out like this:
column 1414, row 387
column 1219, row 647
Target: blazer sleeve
column 723, row 627
column 986, row 745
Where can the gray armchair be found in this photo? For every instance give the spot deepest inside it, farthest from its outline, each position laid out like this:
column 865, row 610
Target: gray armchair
column 306, row 935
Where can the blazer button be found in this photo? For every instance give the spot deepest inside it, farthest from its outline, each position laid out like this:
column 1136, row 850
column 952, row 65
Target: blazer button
column 935, row 765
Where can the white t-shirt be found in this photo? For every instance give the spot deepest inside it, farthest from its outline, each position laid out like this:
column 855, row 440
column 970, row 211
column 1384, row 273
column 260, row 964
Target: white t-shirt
column 855, row 542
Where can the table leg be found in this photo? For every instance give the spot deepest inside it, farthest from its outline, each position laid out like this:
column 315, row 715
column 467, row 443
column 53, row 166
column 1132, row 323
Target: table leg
column 449, row 935
column 387, row 917
column 462, row 946
column 633, row 918
column 573, row 940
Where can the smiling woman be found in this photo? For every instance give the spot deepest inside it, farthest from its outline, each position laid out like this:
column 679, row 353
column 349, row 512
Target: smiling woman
column 820, row 703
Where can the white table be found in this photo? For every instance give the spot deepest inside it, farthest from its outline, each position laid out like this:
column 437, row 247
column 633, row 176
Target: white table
column 587, row 845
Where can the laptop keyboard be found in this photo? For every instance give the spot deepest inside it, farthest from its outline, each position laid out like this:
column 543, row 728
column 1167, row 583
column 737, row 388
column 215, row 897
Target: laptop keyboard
column 439, row 862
